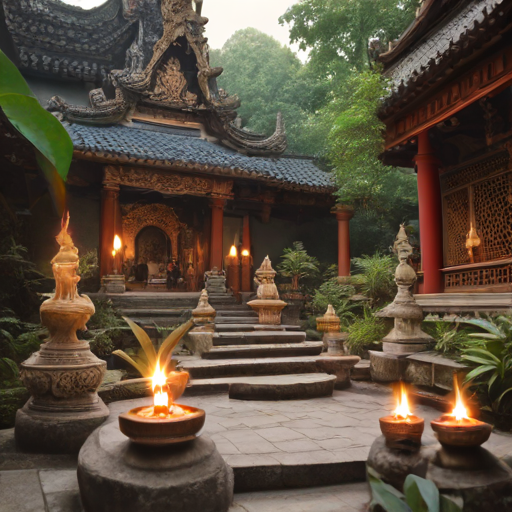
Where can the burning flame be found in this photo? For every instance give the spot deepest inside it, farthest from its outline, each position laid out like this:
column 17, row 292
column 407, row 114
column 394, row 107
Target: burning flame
column 232, row 251
column 159, row 382
column 459, row 411
column 117, row 243
column 402, row 404
column 245, row 252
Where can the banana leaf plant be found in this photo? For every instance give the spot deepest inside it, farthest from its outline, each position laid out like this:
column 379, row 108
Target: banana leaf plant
column 147, row 360
column 419, row 495
column 493, row 362
column 51, row 142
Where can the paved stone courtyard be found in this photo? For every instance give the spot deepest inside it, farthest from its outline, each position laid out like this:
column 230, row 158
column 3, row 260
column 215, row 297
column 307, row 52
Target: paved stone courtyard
column 270, row 445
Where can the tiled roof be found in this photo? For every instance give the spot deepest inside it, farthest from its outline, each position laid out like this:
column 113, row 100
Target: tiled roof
column 170, row 148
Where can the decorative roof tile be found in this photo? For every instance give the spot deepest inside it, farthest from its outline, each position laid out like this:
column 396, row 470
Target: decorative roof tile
column 170, row 148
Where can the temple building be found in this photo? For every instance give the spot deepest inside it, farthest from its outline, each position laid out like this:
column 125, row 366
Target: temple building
column 160, row 156
column 450, row 116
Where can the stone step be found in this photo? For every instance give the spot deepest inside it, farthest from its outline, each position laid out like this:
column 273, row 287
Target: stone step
column 257, row 337
column 212, row 369
column 308, row 348
column 221, row 327
column 231, row 313
column 283, row 387
column 153, row 312
column 235, row 320
column 361, row 370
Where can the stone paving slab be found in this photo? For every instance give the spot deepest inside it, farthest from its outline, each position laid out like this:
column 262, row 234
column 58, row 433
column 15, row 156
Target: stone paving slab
column 352, row 497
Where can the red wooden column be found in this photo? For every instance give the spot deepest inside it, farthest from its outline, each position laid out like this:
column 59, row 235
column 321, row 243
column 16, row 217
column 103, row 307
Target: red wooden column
column 109, row 224
column 216, row 256
column 343, row 214
column 246, row 256
column 431, row 227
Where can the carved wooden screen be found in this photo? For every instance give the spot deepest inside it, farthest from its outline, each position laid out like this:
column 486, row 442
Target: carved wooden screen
column 492, row 203
column 456, row 210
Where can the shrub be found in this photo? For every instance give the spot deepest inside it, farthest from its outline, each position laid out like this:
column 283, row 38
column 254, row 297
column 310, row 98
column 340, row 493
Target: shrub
column 297, row 264
column 375, row 277
column 366, row 331
column 102, row 345
column 338, row 295
column 105, row 317
column 450, row 338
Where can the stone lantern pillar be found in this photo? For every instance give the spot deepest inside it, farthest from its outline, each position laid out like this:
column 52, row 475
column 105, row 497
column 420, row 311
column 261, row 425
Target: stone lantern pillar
column 202, row 334
column 406, row 337
column 267, row 305
column 343, row 214
column 333, row 338
column 63, row 377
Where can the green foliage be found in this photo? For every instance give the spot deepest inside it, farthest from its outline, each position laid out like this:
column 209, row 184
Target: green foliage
column 269, row 78
column 88, row 264
column 102, row 345
column 18, row 340
column 52, row 143
column 145, row 361
column 105, row 317
column 450, row 338
column 338, row 295
column 364, row 332
column 420, row 495
column 375, row 277
column 492, row 362
column 297, row 264
column 9, row 373
column 337, row 32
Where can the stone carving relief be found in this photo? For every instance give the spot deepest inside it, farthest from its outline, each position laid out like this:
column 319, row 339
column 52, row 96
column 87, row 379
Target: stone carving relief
column 158, row 215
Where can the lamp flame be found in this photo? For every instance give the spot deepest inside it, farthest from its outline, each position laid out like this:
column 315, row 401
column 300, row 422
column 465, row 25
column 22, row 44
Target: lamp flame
column 245, row 252
column 117, row 243
column 159, row 380
column 232, row 252
column 459, row 411
column 402, row 404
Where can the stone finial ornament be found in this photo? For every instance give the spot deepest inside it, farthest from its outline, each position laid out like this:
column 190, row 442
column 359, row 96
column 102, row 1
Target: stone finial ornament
column 330, row 322
column 64, row 375
column 406, row 337
column 204, row 313
column 267, row 305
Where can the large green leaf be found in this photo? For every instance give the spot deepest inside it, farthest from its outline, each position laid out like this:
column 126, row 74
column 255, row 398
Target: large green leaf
column 490, row 327
column 421, row 495
column 171, row 341
column 143, row 369
column 483, row 352
column 11, row 80
column 478, row 360
column 57, row 188
column 478, row 371
column 447, row 505
column 41, row 128
column 145, row 343
column 385, row 495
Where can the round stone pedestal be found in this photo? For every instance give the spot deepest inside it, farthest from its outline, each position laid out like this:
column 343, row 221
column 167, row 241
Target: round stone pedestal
column 116, row 475
column 56, row 432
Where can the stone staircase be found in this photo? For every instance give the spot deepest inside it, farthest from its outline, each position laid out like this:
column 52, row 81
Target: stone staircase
column 260, row 362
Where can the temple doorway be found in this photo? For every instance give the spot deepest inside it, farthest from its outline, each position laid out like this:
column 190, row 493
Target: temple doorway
column 153, row 248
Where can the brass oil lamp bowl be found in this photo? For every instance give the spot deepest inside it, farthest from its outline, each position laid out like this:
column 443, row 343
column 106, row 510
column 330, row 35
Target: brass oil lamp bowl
column 165, row 422
column 402, row 429
column 457, row 429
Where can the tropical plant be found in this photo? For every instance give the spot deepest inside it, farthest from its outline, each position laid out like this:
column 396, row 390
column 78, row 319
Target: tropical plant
column 450, row 337
column 105, row 317
column 88, row 264
column 374, row 277
column 420, row 495
column 338, row 295
column 364, row 332
column 493, row 361
column 297, row 264
column 52, row 143
column 102, row 345
column 146, row 360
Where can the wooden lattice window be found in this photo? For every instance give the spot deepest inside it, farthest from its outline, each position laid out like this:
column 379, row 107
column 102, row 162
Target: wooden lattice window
column 456, row 212
column 492, row 204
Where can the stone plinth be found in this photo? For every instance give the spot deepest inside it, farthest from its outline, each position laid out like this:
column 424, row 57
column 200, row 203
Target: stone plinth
column 114, row 283
column 334, row 341
column 340, row 366
column 116, row 475
column 386, row 367
column 201, row 336
column 269, row 311
column 215, row 281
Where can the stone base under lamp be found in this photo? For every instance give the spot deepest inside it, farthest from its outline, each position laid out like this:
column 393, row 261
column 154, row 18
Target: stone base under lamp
column 117, row 474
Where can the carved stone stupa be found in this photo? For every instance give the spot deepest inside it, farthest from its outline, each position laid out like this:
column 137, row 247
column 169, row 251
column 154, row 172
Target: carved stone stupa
column 267, row 305
column 406, row 337
column 201, row 336
column 64, row 375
